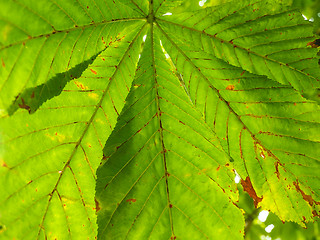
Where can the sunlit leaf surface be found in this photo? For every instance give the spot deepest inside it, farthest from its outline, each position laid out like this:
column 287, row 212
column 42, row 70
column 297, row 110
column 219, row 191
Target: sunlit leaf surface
column 168, row 106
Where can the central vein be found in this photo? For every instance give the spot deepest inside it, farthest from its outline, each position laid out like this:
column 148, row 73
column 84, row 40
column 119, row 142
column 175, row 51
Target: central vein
column 150, row 17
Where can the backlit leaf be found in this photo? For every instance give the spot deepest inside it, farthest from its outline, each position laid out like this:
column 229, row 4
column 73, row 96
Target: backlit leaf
column 123, row 119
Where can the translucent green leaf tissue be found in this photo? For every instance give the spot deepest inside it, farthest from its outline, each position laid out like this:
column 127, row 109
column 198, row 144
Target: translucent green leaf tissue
column 124, row 119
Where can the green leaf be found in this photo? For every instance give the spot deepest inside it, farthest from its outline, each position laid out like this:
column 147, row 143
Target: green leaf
column 50, row 38
column 258, row 36
column 262, row 125
column 49, row 159
column 159, row 153
column 168, row 106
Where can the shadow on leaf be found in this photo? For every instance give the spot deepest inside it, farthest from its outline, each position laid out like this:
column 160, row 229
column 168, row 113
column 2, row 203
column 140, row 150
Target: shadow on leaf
column 32, row 98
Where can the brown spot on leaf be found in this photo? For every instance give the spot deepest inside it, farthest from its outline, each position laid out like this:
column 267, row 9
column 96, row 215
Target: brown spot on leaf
column 315, row 214
column 230, row 87
column 218, row 168
column 131, row 200
column 93, row 71
column 247, row 186
column 24, row 105
column 242, row 73
column 79, row 85
column 170, row 205
column 97, row 205
column 307, row 198
column 2, row 62
column 276, row 164
column 32, row 95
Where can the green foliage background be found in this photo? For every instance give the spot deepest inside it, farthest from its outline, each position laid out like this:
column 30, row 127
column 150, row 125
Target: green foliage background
column 121, row 121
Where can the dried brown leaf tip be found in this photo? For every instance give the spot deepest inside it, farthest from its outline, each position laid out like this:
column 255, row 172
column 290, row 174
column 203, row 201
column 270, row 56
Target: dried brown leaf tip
column 314, row 44
column 247, row 186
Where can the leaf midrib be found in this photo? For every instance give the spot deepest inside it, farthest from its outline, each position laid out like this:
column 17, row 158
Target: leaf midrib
column 156, row 84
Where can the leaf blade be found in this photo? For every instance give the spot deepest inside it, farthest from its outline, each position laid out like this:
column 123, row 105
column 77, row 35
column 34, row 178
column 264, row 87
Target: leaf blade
column 70, row 131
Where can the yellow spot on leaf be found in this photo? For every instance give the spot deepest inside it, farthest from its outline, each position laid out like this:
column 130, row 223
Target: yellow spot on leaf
column 56, row 137
column 2, row 163
column 6, row 31
column 204, row 170
column 230, row 87
column 99, row 120
column 93, row 95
